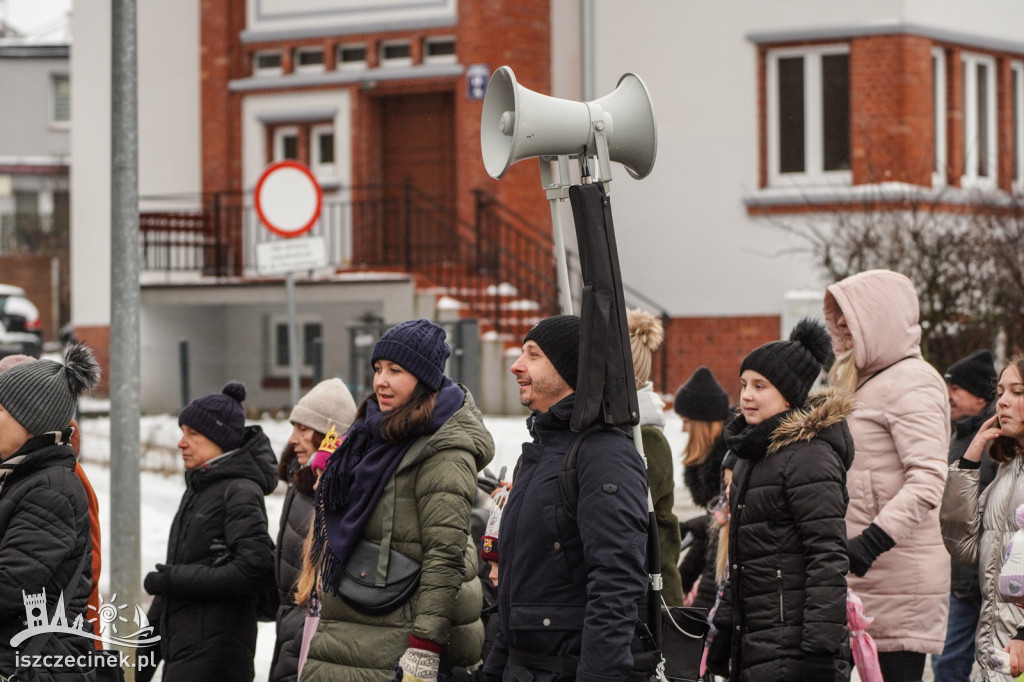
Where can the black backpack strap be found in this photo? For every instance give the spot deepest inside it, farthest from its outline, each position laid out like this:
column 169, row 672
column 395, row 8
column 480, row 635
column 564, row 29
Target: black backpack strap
column 568, row 482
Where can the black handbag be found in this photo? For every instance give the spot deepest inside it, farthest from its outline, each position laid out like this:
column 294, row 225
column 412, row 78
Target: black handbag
column 376, row 582
column 683, row 632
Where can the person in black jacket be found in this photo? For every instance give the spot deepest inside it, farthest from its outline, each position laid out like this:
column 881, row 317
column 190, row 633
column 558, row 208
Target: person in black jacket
column 971, row 382
column 328, row 407
column 782, row 615
column 44, row 513
column 570, row 591
column 219, row 555
column 704, row 406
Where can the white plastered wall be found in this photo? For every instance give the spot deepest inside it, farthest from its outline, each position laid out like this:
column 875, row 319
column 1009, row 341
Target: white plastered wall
column 169, row 134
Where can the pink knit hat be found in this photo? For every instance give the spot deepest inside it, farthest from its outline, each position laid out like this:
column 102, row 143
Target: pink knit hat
column 330, row 443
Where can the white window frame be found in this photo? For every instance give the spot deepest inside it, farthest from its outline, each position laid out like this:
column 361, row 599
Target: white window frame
column 939, row 117
column 267, row 71
column 273, row 367
column 308, row 68
column 813, row 148
column 280, row 133
column 1017, row 74
column 320, row 169
column 353, row 65
column 442, row 58
column 970, row 177
column 395, row 61
column 55, row 80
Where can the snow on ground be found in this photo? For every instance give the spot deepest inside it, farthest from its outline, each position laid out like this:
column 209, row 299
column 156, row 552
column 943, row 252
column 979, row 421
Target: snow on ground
column 162, row 484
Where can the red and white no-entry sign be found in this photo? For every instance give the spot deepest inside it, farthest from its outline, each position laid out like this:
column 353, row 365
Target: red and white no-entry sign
column 288, row 198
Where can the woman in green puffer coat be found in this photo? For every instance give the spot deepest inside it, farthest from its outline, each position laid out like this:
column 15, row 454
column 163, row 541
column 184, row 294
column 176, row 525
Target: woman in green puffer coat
column 410, row 461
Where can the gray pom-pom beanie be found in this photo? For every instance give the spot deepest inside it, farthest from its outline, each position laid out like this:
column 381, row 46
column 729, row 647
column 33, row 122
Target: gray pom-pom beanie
column 42, row 395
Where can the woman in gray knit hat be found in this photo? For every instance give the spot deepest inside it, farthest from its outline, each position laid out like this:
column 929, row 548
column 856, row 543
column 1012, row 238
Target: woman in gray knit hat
column 44, row 513
column 328, row 408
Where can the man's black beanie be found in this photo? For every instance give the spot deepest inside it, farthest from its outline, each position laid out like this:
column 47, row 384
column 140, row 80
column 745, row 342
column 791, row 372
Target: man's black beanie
column 976, row 374
column 559, row 339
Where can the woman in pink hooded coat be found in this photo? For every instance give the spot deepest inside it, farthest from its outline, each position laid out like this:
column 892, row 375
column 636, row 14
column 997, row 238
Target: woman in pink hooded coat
column 900, row 428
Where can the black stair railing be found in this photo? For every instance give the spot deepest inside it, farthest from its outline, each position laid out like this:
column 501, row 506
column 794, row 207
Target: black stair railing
column 502, row 266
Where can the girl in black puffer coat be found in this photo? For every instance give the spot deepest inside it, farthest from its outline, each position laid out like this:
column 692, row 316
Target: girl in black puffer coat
column 783, row 611
column 219, row 555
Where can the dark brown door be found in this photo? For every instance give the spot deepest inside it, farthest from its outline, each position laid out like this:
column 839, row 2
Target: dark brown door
column 418, row 166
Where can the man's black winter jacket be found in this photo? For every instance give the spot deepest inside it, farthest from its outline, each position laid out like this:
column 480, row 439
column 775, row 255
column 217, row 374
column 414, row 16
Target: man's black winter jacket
column 569, row 587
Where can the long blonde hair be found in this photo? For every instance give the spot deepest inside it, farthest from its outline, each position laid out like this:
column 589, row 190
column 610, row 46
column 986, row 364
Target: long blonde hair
column 843, row 374
column 722, row 553
column 701, row 441
column 308, row 579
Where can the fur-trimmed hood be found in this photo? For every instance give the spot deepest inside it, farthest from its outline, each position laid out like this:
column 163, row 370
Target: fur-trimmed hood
column 821, row 412
column 822, row 417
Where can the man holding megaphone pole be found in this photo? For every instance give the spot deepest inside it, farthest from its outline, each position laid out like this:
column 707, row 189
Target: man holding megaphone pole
column 575, row 598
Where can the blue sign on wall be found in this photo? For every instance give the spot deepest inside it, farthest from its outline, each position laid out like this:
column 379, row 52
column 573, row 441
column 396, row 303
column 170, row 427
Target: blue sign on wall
column 477, row 76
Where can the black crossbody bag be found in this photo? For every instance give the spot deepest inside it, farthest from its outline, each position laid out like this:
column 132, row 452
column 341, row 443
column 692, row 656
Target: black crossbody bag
column 377, row 579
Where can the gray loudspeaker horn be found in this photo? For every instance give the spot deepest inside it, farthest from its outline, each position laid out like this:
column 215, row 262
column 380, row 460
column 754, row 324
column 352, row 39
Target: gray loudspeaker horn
column 517, row 123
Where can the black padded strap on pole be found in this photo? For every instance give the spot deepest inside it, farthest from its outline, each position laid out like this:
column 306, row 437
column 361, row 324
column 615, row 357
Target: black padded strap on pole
column 605, row 386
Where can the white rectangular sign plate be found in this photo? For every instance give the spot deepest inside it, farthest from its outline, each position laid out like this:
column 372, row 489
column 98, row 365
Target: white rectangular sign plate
column 290, row 255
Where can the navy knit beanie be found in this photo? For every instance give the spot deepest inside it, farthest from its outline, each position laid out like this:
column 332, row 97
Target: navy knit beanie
column 793, row 366
column 218, row 416
column 559, row 338
column 976, row 374
column 419, row 347
column 702, row 398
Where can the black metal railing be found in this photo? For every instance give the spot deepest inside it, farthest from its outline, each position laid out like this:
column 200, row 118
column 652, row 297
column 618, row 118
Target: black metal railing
column 501, row 265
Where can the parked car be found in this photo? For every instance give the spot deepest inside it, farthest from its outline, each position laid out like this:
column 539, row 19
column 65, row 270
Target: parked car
column 21, row 329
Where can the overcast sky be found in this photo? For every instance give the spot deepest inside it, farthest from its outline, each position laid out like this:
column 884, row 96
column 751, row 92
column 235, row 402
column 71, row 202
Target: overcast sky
column 33, row 16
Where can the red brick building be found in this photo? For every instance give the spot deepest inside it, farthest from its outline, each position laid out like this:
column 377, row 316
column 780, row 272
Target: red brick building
column 898, row 108
column 411, row 123
column 765, row 111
